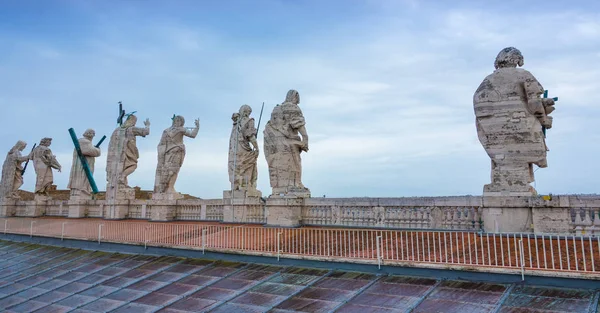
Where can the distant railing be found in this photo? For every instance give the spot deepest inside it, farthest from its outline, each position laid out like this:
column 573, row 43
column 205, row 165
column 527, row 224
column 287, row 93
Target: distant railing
column 455, row 218
column 516, row 253
column 585, row 221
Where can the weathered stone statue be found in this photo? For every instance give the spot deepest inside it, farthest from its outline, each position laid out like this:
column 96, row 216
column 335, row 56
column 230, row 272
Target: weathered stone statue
column 12, row 178
column 78, row 181
column 43, row 162
column 285, row 138
column 171, row 152
column 511, row 119
column 243, row 152
column 123, row 155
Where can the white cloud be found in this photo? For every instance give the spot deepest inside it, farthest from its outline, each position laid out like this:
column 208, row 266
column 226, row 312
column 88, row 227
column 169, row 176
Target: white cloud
column 388, row 108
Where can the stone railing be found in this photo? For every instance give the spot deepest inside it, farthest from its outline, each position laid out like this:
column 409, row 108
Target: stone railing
column 422, row 213
column 566, row 214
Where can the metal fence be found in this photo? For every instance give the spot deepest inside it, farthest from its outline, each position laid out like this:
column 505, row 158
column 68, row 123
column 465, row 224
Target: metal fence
column 445, row 249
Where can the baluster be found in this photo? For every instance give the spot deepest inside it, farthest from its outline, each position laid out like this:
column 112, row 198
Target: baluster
column 578, row 222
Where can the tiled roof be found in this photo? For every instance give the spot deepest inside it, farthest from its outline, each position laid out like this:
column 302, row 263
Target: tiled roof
column 35, row 278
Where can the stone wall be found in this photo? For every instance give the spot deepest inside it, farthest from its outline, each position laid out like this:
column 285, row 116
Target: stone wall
column 565, row 214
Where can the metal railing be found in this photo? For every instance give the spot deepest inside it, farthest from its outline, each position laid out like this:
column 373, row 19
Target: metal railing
column 446, row 249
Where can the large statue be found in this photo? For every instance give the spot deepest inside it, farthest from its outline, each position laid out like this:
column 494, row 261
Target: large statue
column 171, row 152
column 285, row 138
column 243, row 151
column 78, row 181
column 123, row 154
column 12, row 177
column 511, row 119
column 43, row 162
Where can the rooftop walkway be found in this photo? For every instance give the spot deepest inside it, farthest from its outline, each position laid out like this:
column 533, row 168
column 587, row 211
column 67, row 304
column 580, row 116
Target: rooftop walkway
column 39, row 278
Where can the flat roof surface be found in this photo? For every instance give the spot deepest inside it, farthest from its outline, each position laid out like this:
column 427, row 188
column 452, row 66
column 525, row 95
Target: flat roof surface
column 37, row 278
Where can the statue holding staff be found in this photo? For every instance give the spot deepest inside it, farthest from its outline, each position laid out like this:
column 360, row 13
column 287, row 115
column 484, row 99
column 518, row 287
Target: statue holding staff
column 243, row 151
column 12, row 171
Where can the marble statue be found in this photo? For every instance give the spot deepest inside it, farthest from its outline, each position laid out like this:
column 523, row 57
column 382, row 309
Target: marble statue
column 43, row 162
column 12, row 177
column 511, row 119
column 243, row 151
column 285, row 138
column 123, row 154
column 171, row 152
column 78, row 181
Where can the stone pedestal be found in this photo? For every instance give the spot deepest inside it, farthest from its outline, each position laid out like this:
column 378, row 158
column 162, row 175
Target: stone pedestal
column 117, row 206
column 78, row 206
column 37, row 207
column 552, row 220
column 284, row 211
column 235, row 209
column 8, row 207
column 164, row 206
column 507, row 220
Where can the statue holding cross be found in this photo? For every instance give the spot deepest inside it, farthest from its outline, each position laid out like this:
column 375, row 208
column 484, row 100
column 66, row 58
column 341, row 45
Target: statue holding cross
column 123, row 153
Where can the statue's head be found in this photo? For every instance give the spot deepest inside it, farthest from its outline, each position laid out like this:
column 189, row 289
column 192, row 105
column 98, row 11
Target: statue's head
column 46, row 142
column 130, row 121
column 235, row 117
column 292, row 96
column 245, row 110
column 89, row 133
column 509, row 57
column 277, row 115
column 20, row 145
column 178, row 121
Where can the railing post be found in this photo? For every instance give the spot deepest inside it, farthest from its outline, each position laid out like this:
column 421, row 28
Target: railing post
column 146, row 237
column 100, row 232
column 522, row 259
column 378, row 242
column 31, row 229
column 62, row 233
column 278, row 246
column 203, row 239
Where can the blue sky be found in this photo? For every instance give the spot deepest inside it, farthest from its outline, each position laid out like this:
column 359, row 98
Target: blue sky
column 386, row 85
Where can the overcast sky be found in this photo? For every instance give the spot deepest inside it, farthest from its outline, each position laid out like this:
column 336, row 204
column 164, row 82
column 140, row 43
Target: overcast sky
column 386, row 86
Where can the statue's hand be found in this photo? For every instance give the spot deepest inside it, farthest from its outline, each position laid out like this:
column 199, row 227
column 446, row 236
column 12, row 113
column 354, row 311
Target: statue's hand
column 305, row 146
column 147, row 122
column 197, row 122
column 256, row 152
column 547, row 122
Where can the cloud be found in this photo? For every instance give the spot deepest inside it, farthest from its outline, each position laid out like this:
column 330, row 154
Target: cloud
column 387, row 98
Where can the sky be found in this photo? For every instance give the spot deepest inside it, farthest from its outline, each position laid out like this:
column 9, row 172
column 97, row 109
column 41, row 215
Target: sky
column 386, row 86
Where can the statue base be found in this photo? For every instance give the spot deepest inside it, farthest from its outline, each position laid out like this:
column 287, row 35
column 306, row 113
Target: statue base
column 291, row 192
column 507, row 214
column 8, row 207
column 117, row 205
column 285, row 211
column 164, row 207
column 246, row 206
column 37, row 207
column 78, row 206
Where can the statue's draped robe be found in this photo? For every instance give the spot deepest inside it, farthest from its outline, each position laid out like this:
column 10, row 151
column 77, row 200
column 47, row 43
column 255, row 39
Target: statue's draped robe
column 245, row 162
column 122, row 154
column 282, row 145
column 505, row 118
column 78, row 179
column 43, row 162
column 12, row 179
column 171, row 153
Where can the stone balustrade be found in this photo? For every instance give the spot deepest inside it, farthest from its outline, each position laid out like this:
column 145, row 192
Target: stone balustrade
column 565, row 214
